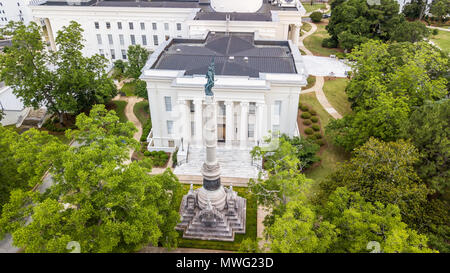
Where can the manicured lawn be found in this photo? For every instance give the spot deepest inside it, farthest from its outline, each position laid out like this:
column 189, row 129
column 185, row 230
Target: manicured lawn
column 306, row 27
column 335, row 92
column 314, row 42
column 331, row 154
column 313, row 7
column 142, row 111
column 250, row 228
column 120, row 109
column 128, row 88
column 442, row 40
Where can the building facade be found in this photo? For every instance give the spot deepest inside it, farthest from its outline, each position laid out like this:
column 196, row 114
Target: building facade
column 15, row 10
column 111, row 26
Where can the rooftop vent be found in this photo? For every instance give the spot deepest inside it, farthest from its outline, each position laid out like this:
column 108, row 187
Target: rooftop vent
column 231, row 58
column 246, row 59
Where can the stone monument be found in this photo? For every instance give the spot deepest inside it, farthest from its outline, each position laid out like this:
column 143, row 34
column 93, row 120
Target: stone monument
column 212, row 212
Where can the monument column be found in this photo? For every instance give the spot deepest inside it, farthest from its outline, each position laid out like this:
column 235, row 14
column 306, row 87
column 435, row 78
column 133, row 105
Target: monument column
column 244, row 125
column 229, row 124
column 198, row 121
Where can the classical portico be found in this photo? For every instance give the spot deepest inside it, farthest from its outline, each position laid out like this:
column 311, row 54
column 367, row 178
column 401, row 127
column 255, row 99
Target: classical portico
column 256, row 90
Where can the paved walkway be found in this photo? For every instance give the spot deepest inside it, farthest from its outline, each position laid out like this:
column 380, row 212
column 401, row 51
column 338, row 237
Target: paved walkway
column 318, row 86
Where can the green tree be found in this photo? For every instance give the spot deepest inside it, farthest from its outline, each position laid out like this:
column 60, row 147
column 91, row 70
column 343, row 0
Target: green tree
column 354, row 21
column 63, row 80
column 137, row 57
column 141, row 89
column 316, row 16
column 428, row 128
column 24, row 159
column 96, row 199
column 410, row 32
column 440, row 9
column 415, row 9
column 383, row 172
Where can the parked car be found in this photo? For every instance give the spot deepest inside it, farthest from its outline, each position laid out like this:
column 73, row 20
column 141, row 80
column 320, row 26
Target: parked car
column 326, row 15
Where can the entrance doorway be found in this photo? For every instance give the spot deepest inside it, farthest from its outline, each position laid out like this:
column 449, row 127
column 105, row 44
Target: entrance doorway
column 221, row 132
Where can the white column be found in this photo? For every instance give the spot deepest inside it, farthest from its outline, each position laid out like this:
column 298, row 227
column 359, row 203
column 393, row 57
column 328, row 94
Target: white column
column 198, row 121
column 296, row 33
column 181, row 122
column 244, row 125
column 259, row 123
column 229, row 134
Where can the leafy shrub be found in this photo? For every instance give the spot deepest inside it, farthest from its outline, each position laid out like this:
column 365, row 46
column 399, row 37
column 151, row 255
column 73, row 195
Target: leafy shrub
column 329, row 43
column 314, row 119
column 141, row 89
column 309, row 131
column 435, row 32
column 317, row 135
column 146, row 130
column 307, row 122
column 315, row 127
column 306, row 115
column 313, row 112
column 304, row 108
column 159, row 158
column 50, row 125
column 320, row 142
column 316, row 16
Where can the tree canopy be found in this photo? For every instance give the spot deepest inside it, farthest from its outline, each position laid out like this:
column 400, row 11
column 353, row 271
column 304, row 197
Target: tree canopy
column 97, row 200
column 63, row 80
column 137, row 57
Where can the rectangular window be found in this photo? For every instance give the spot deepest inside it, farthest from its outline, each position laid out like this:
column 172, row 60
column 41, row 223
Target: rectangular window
column 133, row 39
column 192, row 107
column 166, row 26
column 102, row 52
column 142, row 26
column 277, row 110
column 169, row 127
column 131, row 25
column 97, row 25
column 108, row 25
column 252, row 108
column 154, row 26
column 178, row 26
column 222, row 109
column 124, row 54
column 144, row 40
column 192, row 128
column 168, row 103
column 119, row 25
column 251, row 130
column 275, row 129
column 122, row 41
column 113, row 54
column 110, row 39
column 99, row 39
column 155, row 39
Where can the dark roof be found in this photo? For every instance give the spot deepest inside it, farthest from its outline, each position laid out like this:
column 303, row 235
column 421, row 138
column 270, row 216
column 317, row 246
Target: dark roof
column 234, row 16
column 194, row 56
column 203, row 4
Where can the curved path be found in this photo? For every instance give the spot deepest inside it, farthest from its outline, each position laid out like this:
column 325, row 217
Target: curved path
column 318, row 86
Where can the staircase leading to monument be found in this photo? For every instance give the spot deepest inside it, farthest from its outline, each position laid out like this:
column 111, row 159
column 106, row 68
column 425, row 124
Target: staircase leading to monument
column 233, row 163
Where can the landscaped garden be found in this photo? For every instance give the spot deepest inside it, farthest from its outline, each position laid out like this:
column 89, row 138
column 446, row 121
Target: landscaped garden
column 142, row 112
column 329, row 154
column 315, row 6
column 250, row 227
column 334, row 89
column 119, row 107
column 442, row 40
column 314, row 42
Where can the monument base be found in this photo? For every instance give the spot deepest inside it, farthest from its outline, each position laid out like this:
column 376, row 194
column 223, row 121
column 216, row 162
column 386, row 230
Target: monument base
column 209, row 222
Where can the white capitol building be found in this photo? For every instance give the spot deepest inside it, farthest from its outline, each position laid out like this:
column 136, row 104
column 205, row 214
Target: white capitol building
column 258, row 77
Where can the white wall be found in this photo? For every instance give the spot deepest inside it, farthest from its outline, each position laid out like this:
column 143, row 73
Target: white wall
column 15, row 10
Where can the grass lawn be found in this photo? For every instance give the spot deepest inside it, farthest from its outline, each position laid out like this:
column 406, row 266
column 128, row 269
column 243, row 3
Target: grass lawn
column 331, row 155
column 250, row 228
column 142, row 111
column 60, row 135
column 120, row 109
column 334, row 90
column 306, row 27
column 442, row 40
column 314, row 42
column 128, row 88
column 313, row 7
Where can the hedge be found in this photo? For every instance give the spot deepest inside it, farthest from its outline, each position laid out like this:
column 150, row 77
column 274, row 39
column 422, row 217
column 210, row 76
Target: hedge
column 315, row 127
column 314, row 119
column 309, row 131
column 306, row 115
